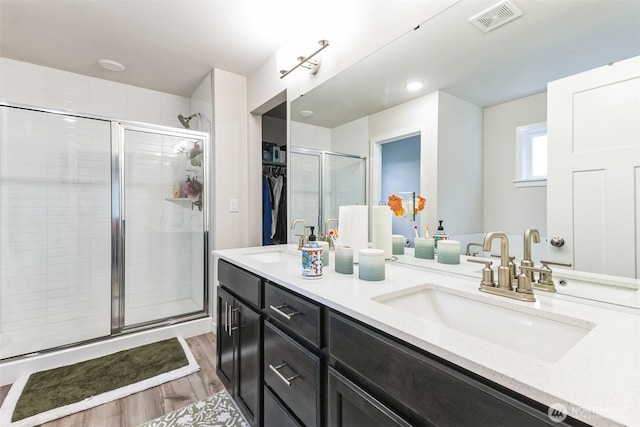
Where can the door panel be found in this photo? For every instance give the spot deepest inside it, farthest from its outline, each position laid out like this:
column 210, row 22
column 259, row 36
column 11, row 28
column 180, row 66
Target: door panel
column 248, row 332
column 224, row 340
column 594, row 153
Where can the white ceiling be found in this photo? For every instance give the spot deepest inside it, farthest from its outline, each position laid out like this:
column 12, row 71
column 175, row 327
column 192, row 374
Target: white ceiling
column 551, row 40
column 170, row 45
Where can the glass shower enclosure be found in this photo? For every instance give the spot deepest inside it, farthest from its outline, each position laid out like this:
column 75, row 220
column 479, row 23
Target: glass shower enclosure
column 321, row 182
column 103, row 229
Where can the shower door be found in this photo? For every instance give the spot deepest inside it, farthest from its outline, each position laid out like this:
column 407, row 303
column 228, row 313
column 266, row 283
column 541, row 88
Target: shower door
column 344, row 183
column 55, row 230
column 321, row 182
column 304, row 182
column 103, row 228
column 163, row 225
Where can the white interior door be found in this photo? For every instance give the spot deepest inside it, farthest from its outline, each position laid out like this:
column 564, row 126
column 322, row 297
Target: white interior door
column 593, row 196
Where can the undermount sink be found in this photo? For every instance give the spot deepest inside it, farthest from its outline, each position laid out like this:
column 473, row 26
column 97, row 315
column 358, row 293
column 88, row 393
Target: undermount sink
column 545, row 338
column 273, row 256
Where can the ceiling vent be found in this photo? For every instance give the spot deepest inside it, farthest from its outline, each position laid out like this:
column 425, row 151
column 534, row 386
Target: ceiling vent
column 496, row 16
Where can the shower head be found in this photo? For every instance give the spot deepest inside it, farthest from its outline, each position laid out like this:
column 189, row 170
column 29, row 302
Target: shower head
column 184, row 121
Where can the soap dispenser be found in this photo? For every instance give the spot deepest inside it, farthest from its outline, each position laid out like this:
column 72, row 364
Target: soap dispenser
column 312, row 258
column 440, row 234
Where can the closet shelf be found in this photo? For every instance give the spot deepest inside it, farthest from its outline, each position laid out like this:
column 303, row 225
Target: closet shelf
column 268, row 163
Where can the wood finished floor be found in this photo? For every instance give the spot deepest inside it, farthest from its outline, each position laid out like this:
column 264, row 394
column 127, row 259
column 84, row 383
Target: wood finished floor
column 154, row 402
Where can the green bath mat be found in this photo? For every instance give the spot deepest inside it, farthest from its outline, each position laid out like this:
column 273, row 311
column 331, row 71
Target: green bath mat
column 51, row 394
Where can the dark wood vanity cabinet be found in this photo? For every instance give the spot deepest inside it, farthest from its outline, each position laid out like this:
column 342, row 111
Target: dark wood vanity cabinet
column 387, row 381
column 239, row 338
column 293, row 360
column 289, row 361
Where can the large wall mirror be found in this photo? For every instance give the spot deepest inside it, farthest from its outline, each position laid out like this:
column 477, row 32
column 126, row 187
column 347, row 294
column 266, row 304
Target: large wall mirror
column 478, row 88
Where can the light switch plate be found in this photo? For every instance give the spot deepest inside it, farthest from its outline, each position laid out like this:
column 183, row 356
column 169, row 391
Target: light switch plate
column 233, row 205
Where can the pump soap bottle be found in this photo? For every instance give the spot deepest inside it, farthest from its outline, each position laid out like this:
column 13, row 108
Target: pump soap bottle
column 440, row 234
column 312, row 258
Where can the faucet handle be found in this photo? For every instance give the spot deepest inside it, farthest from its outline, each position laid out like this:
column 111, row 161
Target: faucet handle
column 524, row 279
column 560, row 264
column 545, row 282
column 487, row 272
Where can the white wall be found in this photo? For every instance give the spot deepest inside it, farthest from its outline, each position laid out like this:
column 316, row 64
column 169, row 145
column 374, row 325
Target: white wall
column 230, row 160
column 29, row 84
column 459, row 165
column 451, row 156
column 506, row 207
column 310, row 136
column 351, row 138
column 349, row 43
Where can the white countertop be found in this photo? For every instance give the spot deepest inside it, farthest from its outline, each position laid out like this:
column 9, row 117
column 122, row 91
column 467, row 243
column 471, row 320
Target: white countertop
column 597, row 380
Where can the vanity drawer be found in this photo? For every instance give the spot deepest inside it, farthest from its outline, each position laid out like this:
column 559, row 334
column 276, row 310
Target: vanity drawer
column 293, row 373
column 437, row 393
column 242, row 283
column 293, row 313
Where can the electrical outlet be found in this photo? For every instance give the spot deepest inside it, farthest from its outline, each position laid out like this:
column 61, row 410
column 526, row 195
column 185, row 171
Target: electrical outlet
column 233, row 205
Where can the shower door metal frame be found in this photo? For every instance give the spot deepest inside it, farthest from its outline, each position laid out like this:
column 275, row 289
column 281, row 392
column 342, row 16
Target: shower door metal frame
column 322, row 154
column 117, row 128
column 118, row 225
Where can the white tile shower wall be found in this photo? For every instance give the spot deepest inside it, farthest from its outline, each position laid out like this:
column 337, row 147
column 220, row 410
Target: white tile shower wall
column 48, row 276
column 160, row 244
column 46, row 87
column 55, row 214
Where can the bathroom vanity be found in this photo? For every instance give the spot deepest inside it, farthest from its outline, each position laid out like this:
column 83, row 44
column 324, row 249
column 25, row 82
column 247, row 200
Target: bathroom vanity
column 422, row 347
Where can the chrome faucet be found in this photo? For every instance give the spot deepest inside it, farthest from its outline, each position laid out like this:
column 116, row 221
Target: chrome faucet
column 530, row 235
column 505, row 286
column 303, row 237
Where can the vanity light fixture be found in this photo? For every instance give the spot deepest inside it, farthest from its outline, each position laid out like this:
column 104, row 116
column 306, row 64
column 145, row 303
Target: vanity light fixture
column 414, row 85
column 111, row 65
column 307, row 62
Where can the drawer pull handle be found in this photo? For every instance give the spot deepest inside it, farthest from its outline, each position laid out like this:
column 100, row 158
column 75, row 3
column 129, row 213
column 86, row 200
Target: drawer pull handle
column 278, row 309
column 286, row 380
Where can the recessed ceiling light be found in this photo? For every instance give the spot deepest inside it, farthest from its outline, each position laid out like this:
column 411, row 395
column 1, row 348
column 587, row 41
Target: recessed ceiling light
column 414, row 85
column 306, row 113
column 111, row 65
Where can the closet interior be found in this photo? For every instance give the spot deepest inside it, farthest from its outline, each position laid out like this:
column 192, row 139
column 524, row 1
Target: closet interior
column 274, row 176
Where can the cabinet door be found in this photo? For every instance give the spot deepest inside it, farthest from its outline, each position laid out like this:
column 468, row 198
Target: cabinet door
column 351, row 406
column 275, row 414
column 247, row 329
column 224, row 340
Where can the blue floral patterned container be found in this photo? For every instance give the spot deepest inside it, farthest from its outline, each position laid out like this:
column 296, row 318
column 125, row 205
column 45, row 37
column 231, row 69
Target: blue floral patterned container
column 312, row 261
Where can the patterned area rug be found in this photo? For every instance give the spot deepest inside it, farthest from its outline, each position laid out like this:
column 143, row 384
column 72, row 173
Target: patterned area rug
column 215, row 411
